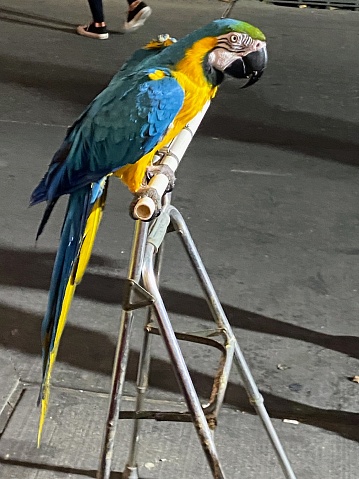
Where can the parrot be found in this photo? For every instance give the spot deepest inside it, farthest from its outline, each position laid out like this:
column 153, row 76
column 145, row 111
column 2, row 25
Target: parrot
column 144, row 107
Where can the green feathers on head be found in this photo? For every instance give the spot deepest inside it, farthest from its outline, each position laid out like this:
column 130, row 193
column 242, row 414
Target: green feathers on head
column 243, row 27
column 175, row 52
column 222, row 26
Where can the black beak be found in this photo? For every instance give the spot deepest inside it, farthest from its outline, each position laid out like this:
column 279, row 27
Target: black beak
column 251, row 66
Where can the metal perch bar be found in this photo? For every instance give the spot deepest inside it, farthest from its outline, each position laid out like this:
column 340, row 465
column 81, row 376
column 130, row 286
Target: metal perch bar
column 145, row 207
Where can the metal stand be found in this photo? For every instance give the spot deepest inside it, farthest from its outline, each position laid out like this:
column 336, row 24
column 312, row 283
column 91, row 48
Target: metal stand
column 143, row 278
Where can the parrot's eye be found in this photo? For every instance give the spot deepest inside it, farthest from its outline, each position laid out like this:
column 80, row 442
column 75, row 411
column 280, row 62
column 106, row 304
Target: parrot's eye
column 234, row 38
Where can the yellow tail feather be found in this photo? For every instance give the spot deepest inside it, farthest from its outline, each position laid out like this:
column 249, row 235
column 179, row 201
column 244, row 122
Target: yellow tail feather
column 69, row 293
column 91, row 229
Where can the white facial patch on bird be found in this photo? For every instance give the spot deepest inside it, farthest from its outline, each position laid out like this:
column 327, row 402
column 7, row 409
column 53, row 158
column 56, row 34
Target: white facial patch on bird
column 232, row 46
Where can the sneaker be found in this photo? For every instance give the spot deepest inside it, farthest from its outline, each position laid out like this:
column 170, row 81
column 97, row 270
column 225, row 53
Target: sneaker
column 137, row 16
column 91, row 31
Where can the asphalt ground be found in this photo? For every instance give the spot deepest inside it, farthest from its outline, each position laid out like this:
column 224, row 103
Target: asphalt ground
column 269, row 189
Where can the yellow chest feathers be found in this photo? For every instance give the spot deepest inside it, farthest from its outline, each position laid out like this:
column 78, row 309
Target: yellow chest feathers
column 189, row 74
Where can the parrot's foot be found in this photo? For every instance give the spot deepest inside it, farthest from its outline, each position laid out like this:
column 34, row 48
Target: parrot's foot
column 148, row 191
column 163, row 170
column 151, row 193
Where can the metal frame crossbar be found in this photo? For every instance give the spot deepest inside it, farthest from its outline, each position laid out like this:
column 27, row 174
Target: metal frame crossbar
column 143, row 292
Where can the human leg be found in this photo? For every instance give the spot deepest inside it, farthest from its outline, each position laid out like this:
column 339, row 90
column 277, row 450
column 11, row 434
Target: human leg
column 97, row 29
column 96, row 8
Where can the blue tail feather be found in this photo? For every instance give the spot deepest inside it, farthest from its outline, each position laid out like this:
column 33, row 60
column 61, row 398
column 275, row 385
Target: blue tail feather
column 50, row 206
column 40, row 192
column 71, row 237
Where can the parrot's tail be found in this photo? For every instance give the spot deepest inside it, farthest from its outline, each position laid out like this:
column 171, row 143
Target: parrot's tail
column 82, row 219
column 39, row 193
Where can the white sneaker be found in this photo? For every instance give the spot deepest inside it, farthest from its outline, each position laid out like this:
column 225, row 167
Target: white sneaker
column 137, row 16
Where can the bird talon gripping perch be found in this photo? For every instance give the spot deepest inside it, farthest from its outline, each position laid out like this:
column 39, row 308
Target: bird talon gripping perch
column 146, row 105
column 147, row 202
column 163, row 170
column 150, row 194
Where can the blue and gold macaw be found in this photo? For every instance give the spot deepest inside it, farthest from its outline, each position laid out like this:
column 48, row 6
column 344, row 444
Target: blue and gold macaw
column 147, row 103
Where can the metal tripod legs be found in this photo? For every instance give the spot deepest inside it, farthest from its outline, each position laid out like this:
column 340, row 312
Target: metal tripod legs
column 143, row 263
column 121, row 357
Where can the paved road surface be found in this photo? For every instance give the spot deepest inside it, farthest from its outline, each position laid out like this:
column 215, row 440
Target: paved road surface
column 269, row 188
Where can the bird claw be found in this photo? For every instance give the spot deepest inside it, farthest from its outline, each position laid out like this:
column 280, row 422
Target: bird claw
column 149, row 193
column 152, row 193
column 163, row 170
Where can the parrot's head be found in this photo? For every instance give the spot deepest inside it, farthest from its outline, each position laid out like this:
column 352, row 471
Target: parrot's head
column 240, row 51
column 224, row 46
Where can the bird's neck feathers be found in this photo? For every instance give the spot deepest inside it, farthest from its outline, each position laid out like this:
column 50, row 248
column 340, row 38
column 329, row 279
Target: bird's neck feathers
column 194, row 64
column 176, row 52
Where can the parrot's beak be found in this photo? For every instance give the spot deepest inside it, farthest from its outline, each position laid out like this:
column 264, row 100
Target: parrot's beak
column 251, row 66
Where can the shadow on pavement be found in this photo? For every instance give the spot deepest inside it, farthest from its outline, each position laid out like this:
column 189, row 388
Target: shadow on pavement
column 306, row 133
column 292, row 131
column 55, row 80
column 23, row 18
column 53, row 468
column 20, row 330
column 36, row 267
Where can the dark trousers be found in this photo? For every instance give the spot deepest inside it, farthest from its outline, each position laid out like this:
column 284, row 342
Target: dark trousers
column 96, row 8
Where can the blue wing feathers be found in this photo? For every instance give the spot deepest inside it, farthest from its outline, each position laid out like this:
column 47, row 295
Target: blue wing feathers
column 120, row 126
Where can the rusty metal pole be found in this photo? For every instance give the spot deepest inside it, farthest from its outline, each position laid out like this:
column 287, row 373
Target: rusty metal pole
column 121, row 357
